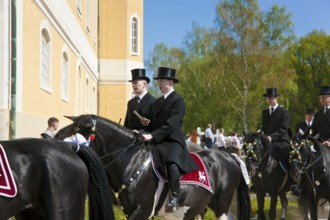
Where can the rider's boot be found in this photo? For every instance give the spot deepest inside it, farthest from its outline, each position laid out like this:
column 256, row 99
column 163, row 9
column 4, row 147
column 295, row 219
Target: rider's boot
column 174, row 183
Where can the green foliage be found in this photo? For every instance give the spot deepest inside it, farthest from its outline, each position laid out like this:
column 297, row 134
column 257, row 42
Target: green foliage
column 223, row 71
column 310, row 57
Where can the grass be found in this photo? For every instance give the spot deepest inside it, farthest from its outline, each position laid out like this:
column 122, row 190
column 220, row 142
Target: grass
column 292, row 213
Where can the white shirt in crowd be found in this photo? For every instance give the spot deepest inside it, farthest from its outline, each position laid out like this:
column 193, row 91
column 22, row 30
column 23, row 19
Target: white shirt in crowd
column 221, row 140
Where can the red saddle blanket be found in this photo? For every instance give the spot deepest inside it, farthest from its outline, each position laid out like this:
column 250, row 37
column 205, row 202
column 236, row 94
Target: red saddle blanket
column 7, row 182
column 199, row 177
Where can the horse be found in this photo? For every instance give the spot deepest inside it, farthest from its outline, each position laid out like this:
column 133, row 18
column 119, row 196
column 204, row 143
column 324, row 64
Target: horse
column 310, row 162
column 51, row 180
column 128, row 161
column 274, row 184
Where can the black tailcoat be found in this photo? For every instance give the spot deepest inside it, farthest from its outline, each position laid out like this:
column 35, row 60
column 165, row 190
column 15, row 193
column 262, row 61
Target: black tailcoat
column 166, row 129
column 276, row 126
column 321, row 125
column 143, row 108
column 302, row 126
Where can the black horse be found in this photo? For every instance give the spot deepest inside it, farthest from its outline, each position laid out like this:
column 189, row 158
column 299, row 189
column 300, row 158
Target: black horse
column 52, row 182
column 276, row 183
column 310, row 162
column 128, row 161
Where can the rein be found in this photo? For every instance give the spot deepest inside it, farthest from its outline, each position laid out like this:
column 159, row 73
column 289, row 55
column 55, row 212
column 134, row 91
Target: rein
column 121, row 151
column 305, row 167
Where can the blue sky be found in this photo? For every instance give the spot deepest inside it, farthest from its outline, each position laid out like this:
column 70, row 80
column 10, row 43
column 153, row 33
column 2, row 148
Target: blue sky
column 167, row 21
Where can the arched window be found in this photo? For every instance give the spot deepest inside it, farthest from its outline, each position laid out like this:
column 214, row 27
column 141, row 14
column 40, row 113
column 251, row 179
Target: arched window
column 45, row 76
column 134, row 36
column 65, row 76
column 94, row 100
column 87, row 96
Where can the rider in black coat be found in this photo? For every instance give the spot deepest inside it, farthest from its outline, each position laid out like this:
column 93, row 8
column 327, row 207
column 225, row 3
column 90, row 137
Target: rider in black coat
column 305, row 125
column 142, row 102
column 321, row 125
column 166, row 131
column 275, row 125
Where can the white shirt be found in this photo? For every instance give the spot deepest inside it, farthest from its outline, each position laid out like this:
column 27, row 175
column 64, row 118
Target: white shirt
column 209, row 133
column 168, row 93
column 221, row 140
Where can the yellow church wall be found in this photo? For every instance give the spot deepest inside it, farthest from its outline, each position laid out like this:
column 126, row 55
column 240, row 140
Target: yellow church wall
column 114, row 98
column 115, row 58
column 80, row 15
column 37, row 104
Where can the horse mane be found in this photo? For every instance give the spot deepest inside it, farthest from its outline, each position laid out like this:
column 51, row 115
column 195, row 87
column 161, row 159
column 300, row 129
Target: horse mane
column 115, row 126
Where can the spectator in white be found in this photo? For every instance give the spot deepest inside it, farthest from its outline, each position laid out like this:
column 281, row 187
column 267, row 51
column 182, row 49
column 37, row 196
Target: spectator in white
column 234, row 141
column 221, row 139
column 209, row 136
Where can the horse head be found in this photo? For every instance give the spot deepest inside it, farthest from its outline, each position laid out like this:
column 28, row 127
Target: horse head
column 300, row 155
column 103, row 134
column 253, row 150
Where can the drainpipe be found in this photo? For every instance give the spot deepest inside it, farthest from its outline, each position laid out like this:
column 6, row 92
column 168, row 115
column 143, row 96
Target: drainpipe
column 13, row 69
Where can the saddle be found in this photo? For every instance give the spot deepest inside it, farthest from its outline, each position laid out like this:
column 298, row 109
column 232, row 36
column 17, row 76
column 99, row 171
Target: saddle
column 199, row 177
column 7, row 182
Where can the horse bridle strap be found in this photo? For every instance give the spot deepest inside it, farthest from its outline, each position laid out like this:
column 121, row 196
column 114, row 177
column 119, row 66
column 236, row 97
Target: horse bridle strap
column 135, row 175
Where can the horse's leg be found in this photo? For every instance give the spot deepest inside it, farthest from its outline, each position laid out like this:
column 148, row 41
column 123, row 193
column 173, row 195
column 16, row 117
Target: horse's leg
column 261, row 202
column 272, row 207
column 284, row 204
column 303, row 207
column 313, row 209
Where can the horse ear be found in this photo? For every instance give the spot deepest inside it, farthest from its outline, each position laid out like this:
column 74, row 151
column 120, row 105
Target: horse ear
column 72, row 118
column 317, row 144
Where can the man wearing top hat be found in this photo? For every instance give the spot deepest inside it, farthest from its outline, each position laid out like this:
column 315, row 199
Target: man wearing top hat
column 275, row 124
column 321, row 125
column 141, row 103
column 304, row 126
column 170, row 149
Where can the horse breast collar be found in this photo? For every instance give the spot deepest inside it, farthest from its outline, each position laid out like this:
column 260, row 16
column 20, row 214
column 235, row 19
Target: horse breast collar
column 7, row 181
column 135, row 175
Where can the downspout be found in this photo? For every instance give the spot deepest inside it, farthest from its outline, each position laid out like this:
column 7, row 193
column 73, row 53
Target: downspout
column 13, row 70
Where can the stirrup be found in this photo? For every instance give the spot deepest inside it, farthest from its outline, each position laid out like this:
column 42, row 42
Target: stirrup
column 172, row 205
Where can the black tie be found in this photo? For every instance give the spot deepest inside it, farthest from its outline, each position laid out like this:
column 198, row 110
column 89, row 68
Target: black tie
column 325, row 110
column 271, row 111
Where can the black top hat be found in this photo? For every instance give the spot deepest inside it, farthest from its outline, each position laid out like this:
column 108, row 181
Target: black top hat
column 325, row 90
column 309, row 111
column 166, row 73
column 271, row 92
column 139, row 74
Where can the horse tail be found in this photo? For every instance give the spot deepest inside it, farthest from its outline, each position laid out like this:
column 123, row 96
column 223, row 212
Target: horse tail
column 243, row 200
column 243, row 193
column 100, row 196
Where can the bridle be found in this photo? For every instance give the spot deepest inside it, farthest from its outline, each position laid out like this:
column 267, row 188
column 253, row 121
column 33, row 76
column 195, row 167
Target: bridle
column 307, row 165
column 254, row 157
column 136, row 142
